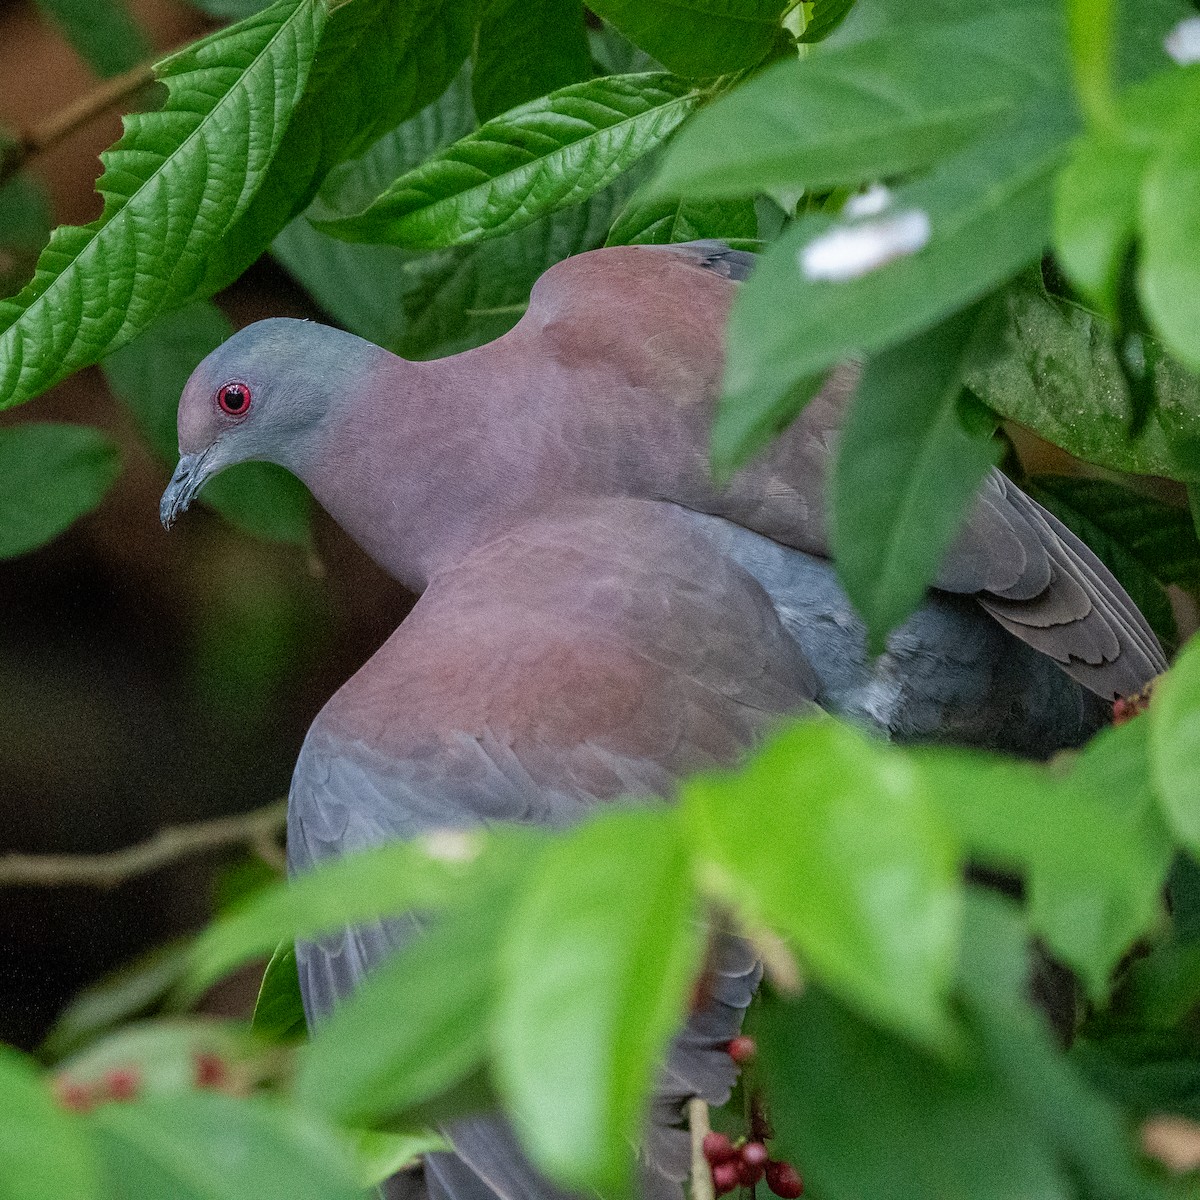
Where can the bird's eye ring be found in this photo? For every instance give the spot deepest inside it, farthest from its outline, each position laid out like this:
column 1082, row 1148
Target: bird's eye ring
column 233, row 398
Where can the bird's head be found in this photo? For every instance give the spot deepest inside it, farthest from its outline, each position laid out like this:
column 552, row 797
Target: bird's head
column 263, row 395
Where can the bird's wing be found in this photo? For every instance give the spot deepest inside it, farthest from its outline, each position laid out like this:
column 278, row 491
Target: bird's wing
column 658, row 375
column 602, row 653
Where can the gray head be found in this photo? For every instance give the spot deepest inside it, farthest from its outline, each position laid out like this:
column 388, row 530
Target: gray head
column 263, row 395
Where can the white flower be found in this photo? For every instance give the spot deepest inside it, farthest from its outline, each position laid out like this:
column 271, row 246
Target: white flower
column 1183, row 42
column 848, row 251
column 869, row 203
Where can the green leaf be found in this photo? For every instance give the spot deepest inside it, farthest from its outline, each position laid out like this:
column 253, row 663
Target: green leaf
column 1082, row 504
column 852, row 114
column 43, row 1152
column 472, row 294
column 360, row 887
column 543, row 156
column 173, row 185
column 379, row 1155
column 844, row 855
column 1150, row 1073
column 24, row 228
column 826, row 16
column 149, row 375
column 381, row 62
column 1174, row 721
column 279, row 1009
column 988, row 210
column 209, row 1146
column 1095, row 214
column 128, row 992
column 1056, row 361
column 1168, row 272
column 102, row 33
column 595, row 980
column 1092, row 848
column 526, row 48
column 50, row 475
column 698, row 38
column 906, row 470
column 365, row 1067
column 662, row 221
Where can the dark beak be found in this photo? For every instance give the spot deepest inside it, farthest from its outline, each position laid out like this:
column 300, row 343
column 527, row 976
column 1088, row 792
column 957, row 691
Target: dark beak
column 188, row 479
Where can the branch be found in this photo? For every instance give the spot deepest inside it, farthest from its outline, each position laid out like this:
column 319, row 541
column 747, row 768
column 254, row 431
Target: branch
column 702, row 1184
column 258, row 829
column 48, row 133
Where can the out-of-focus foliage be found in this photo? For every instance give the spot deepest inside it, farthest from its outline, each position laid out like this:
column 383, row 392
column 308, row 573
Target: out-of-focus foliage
column 995, row 206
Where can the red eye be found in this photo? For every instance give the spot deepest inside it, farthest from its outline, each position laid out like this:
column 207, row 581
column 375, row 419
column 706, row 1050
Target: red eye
column 234, row 399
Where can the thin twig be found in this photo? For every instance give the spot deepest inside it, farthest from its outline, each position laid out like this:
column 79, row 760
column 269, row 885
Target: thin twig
column 702, row 1182
column 258, row 829
column 45, row 134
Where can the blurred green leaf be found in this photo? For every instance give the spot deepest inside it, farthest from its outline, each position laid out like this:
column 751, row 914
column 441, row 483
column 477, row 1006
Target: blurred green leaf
column 658, row 222
column 865, row 1114
column 698, row 38
column 366, row 1067
column 102, row 32
column 50, row 475
column 594, row 982
column 128, row 992
column 907, row 468
column 988, row 209
column 233, row 9
column 44, row 1154
column 149, row 375
column 1174, row 728
column 379, row 1155
column 1056, row 361
column 846, row 857
column 24, row 228
column 203, row 156
column 380, row 63
column 1150, row 1073
column 391, row 879
column 279, row 1009
column 526, row 48
column 543, row 156
column 866, row 111
column 209, row 1146
column 826, row 16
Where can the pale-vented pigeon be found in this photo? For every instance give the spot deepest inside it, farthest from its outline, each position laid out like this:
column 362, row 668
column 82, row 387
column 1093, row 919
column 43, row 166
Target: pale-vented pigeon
column 598, row 618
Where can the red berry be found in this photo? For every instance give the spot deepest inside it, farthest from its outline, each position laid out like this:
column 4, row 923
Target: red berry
column 749, row 1173
column 121, row 1084
column 74, row 1096
column 742, row 1049
column 784, row 1180
column 211, row 1071
column 718, row 1148
column 755, row 1153
column 725, row 1177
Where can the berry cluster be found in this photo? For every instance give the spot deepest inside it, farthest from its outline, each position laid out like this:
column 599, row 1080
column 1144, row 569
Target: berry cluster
column 743, row 1165
column 125, row 1083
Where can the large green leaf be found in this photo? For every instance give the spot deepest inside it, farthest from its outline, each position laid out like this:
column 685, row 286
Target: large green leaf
column 1175, row 745
column 102, row 32
column 538, row 158
column 44, row 1154
column 380, row 62
column 49, row 476
column 658, row 222
column 366, row 1067
column 988, row 213
column 1056, row 361
column 906, row 469
column 524, row 49
column 149, row 374
column 865, row 111
column 209, row 1146
column 698, row 38
column 829, row 839
column 595, row 979
column 865, row 1114
column 173, row 185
